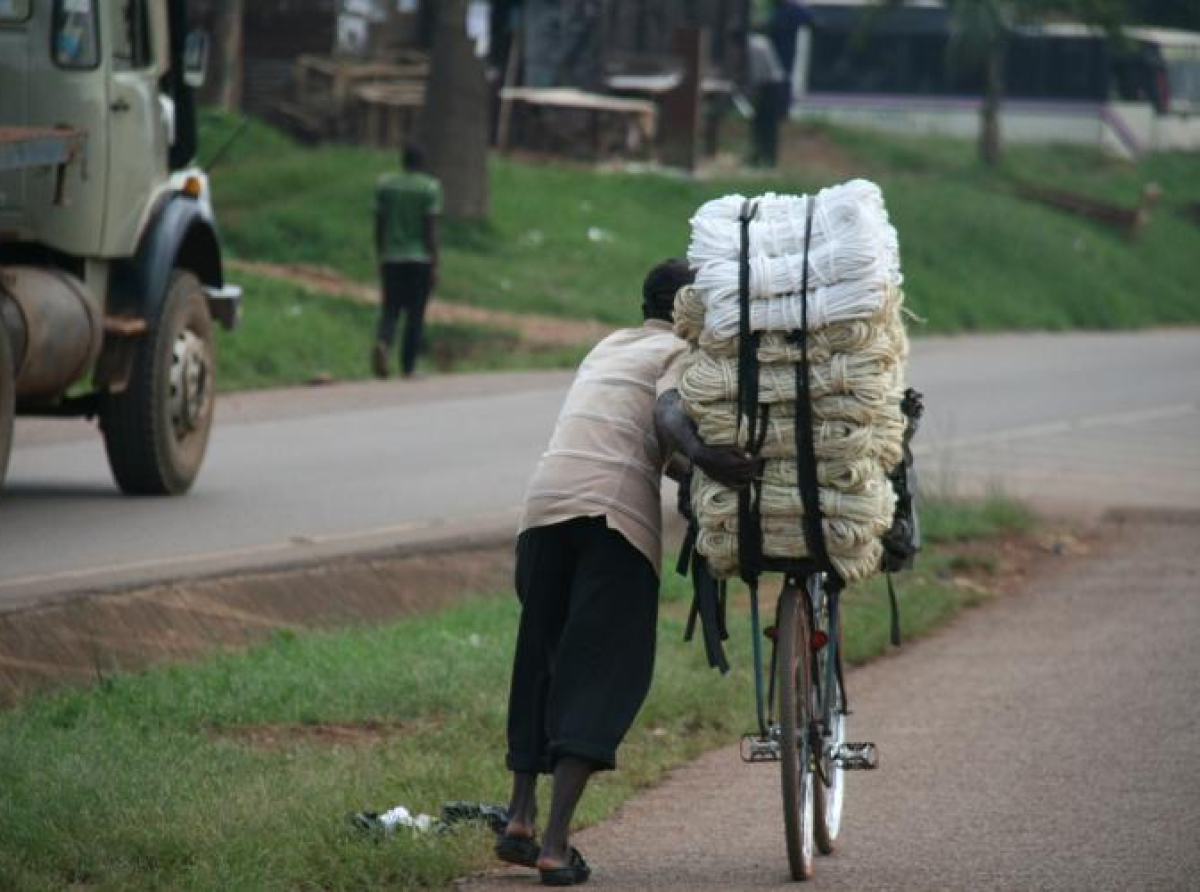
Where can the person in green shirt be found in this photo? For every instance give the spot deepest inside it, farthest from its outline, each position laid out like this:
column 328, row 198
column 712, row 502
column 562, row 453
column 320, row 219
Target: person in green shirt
column 407, row 205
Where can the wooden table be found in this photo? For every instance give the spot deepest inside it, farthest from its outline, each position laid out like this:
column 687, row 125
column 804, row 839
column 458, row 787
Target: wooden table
column 638, row 116
column 386, row 114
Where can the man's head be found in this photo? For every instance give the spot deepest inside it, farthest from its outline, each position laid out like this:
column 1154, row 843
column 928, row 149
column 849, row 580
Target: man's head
column 658, row 290
column 412, row 157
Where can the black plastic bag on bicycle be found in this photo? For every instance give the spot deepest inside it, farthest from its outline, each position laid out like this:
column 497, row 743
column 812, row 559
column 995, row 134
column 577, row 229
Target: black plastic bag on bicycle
column 902, row 541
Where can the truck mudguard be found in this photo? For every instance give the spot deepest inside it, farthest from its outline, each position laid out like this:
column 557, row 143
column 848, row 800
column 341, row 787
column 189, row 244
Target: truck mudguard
column 178, row 236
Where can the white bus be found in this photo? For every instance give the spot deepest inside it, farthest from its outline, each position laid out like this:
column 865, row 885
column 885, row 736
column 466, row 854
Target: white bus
column 1063, row 82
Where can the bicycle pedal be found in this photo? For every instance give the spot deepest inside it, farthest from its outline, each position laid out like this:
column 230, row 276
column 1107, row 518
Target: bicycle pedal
column 759, row 749
column 857, row 756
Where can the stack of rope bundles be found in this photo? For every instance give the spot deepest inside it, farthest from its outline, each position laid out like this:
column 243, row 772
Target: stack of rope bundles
column 857, row 350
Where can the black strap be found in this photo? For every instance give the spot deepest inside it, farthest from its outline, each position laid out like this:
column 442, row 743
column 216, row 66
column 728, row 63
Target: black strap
column 708, row 602
column 749, row 518
column 895, row 610
column 687, row 550
column 806, row 459
column 835, row 595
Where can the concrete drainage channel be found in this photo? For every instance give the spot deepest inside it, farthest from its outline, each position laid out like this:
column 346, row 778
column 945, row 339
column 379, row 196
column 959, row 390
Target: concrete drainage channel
column 94, row 635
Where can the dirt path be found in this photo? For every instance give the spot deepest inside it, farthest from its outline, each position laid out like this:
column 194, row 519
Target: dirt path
column 1046, row 741
column 535, row 331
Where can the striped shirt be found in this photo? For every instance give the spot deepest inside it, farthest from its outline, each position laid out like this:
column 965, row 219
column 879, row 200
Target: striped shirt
column 605, row 458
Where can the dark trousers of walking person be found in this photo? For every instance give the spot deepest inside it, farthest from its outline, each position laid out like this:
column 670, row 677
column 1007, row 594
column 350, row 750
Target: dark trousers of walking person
column 585, row 646
column 582, row 667
column 406, row 287
column 770, row 108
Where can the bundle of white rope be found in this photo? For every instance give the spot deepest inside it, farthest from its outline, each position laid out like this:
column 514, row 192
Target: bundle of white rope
column 720, row 547
column 773, row 276
column 856, row 347
column 870, row 375
column 834, row 439
column 850, row 229
column 689, row 315
column 871, row 506
column 860, row 299
column 845, row 337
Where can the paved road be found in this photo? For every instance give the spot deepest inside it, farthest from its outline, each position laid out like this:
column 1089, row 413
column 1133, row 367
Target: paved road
column 1048, row 741
column 1075, row 422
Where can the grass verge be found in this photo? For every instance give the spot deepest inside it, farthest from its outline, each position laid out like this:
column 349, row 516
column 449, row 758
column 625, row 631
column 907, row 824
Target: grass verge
column 576, row 242
column 228, row 774
column 289, row 335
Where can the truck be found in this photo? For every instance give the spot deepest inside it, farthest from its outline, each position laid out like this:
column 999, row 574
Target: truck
column 111, row 271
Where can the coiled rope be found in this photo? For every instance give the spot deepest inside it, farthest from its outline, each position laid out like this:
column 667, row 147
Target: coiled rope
column 856, row 348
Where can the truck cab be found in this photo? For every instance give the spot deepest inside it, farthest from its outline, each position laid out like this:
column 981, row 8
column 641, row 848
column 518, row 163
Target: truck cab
column 111, row 273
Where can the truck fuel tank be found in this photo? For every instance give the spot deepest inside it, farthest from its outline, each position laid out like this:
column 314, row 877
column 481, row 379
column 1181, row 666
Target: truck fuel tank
column 55, row 328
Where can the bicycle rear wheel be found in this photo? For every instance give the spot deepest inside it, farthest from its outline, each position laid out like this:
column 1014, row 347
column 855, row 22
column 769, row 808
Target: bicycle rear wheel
column 831, row 711
column 795, row 687
column 829, row 798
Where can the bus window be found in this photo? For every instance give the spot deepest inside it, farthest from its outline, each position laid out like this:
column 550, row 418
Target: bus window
column 1183, row 82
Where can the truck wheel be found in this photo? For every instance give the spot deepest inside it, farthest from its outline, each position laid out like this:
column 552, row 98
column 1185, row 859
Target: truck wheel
column 156, row 432
column 8, row 388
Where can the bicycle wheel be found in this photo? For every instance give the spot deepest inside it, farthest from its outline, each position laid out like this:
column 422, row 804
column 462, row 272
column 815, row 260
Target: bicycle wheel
column 795, row 688
column 830, row 791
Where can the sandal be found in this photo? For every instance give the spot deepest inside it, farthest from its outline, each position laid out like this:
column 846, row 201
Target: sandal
column 520, row 850
column 576, row 872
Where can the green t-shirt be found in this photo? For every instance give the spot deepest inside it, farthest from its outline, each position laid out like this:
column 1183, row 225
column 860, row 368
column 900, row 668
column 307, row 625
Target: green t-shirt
column 402, row 200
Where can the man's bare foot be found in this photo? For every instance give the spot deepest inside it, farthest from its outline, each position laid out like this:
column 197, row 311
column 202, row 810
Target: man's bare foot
column 563, row 868
column 518, row 829
column 517, row 845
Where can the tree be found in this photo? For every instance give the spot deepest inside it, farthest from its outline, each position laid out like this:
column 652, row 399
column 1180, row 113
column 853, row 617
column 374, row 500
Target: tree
column 226, row 85
column 979, row 35
column 455, row 120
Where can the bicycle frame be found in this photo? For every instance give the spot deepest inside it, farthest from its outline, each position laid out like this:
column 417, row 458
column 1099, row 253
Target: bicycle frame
column 823, row 607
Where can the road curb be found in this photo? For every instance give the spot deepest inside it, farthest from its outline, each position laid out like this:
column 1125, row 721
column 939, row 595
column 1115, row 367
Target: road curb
column 91, row 635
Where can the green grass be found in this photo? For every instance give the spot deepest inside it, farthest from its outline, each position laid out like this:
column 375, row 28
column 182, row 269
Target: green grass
column 292, row 336
column 945, row 521
column 138, row 782
column 976, row 257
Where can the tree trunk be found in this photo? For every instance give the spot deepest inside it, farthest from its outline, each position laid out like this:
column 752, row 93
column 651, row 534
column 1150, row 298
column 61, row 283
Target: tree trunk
column 455, row 120
column 989, row 124
column 228, row 31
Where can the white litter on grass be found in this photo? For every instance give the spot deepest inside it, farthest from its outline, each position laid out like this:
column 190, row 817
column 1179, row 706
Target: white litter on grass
column 402, row 817
column 596, row 234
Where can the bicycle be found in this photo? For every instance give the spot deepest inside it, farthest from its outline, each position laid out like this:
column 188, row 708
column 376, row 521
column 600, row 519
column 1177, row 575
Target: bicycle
column 808, row 738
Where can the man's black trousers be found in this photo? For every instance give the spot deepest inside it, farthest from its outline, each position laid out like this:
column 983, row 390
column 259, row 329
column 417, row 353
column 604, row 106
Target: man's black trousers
column 585, row 647
column 406, row 287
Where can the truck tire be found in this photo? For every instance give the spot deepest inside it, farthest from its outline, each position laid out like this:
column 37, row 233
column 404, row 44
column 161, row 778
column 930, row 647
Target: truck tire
column 8, row 388
column 156, row 432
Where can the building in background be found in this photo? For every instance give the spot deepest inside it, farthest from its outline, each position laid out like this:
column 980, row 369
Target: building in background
column 355, row 70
